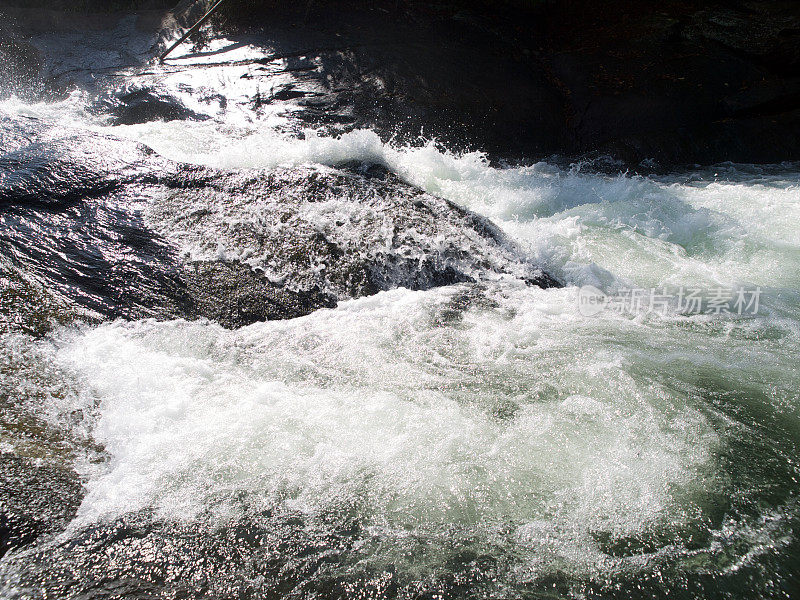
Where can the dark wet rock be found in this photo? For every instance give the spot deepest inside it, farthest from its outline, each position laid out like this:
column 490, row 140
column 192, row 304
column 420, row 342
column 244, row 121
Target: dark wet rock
column 98, row 257
column 72, row 226
column 689, row 81
column 233, row 295
column 114, row 231
column 346, row 233
column 141, row 105
column 765, row 30
column 662, row 85
column 403, row 69
column 41, row 164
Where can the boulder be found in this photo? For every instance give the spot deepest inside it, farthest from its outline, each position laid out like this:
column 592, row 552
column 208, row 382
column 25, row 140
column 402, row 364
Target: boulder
column 115, row 230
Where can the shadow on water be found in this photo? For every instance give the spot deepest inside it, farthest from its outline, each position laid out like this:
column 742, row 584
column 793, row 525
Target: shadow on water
column 71, row 212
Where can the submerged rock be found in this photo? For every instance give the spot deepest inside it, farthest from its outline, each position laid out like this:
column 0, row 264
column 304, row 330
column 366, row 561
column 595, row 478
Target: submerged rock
column 40, row 491
column 35, row 500
column 267, row 554
column 96, row 227
column 348, row 233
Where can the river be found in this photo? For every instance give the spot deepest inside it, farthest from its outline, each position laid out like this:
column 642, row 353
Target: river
column 478, row 439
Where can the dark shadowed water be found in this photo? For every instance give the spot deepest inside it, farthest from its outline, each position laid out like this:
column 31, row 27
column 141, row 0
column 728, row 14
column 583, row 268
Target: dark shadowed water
column 453, row 432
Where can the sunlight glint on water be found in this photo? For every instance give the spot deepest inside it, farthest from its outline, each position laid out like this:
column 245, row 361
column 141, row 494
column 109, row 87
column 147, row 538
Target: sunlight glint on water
column 500, row 414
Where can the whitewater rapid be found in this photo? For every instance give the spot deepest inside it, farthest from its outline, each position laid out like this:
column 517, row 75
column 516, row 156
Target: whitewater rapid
column 496, row 416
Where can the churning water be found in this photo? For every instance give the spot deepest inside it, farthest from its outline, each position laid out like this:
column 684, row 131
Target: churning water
column 494, row 432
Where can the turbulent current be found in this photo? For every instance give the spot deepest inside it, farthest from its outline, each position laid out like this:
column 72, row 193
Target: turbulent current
column 465, row 435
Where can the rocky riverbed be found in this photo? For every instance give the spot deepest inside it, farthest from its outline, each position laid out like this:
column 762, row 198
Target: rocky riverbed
column 295, row 313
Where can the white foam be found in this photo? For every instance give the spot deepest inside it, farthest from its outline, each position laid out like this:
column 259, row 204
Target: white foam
column 378, row 401
column 522, row 422
column 707, row 229
column 647, row 232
